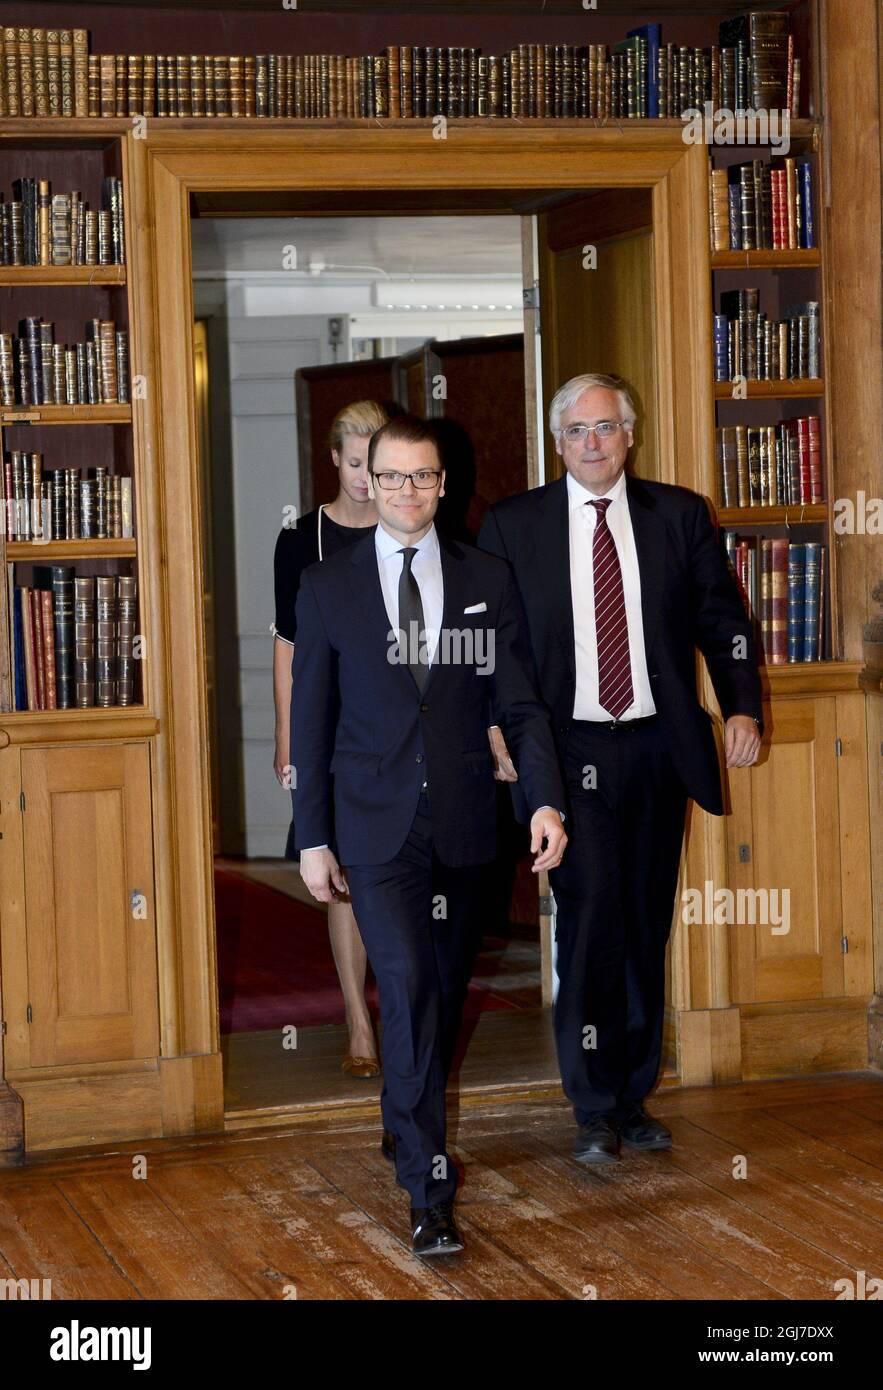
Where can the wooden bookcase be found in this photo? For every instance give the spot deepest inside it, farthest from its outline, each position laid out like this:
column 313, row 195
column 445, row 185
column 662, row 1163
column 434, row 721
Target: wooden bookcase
column 128, row 1045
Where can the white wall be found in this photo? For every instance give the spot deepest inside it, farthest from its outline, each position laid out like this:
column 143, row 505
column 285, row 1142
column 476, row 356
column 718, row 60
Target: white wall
column 254, row 475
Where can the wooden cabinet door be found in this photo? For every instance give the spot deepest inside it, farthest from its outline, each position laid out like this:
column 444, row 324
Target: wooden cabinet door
column 794, row 818
column 91, row 945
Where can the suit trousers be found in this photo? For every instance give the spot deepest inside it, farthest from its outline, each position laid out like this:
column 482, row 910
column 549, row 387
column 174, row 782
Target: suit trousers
column 614, row 896
column 420, row 922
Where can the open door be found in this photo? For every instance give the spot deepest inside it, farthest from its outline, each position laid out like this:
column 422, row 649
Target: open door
column 596, row 304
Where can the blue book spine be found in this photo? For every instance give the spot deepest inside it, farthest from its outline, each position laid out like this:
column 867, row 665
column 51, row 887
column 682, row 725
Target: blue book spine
column 734, row 208
column 804, row 184
column 21, row 689
column 812, row 602
column 653, row 34
column 796, row 600
column 721, row 345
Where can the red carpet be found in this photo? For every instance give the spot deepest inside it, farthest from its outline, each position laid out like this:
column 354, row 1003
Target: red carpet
column 275, row 964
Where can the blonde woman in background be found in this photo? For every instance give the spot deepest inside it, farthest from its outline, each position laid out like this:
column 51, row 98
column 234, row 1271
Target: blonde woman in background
column 321, row 533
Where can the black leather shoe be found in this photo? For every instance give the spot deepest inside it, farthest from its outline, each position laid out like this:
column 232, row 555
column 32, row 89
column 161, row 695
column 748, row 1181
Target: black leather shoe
column 388, row 1145
column 433, row 1231
column 597, row 1141
column 638, row 1130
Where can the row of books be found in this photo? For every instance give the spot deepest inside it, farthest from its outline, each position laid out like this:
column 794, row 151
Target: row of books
column 35, row 370
column 762, row 206
column 39, row 227
column 770, row 465
column 783, row 586
column 63, row 506
column 748, row 344
column 73, row 639
column 50, row 72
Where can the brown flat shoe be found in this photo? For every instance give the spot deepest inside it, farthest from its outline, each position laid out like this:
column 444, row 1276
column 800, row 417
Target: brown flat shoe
column 363, row 1067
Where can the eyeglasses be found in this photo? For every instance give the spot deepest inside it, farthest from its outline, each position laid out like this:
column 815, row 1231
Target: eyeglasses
column 425, row 478
column 604, row 429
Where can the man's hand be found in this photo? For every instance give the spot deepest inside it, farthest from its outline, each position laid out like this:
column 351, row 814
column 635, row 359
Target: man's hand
column 322, row 874
column 545, row 824
column 504, row 766
column 741, row 741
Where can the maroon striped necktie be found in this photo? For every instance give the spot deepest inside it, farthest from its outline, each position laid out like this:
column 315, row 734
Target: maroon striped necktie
column 615, row 692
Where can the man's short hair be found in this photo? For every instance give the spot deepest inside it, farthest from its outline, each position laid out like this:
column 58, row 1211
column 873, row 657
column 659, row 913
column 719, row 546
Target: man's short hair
column 409, row 429
column 568, row 395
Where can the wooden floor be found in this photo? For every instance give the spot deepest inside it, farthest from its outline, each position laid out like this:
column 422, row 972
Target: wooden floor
column 243, row 1216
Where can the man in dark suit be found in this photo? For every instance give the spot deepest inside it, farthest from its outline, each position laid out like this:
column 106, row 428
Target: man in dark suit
column 622, row 580
column 406, row 642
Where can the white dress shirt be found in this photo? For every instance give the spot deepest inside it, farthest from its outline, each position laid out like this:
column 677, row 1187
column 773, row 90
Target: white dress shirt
column 426, row 568
column 583, row 519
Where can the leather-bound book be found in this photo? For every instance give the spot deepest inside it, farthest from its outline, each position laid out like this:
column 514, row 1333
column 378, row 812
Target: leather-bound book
column 381, row 87
column 506, row 84
column 53, row 73
column 26, row 71
column 812, row 605
column 134, row 84
column 261, row 85
column 418, row 81
column 47, row 637
column 514, row 83
column 182, row 85
column 777, row 646
column 393, row 61
column 743, row 479
column 11, row 83
column 83, row 642
column 454, row 75
column 126, row 623
column 754, row 494
column 107, row 90
column 221, row 85
column 494, row 85
column 406, row 85
column 237, row 86
column 75, row 72
column 434, row 99
column 441, row 82
column 106, row 639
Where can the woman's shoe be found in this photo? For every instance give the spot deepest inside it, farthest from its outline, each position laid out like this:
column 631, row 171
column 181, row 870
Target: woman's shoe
column 365, row 1068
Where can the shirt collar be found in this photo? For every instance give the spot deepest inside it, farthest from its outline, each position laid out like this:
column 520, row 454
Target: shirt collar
column 578, row 495
column 388, row 545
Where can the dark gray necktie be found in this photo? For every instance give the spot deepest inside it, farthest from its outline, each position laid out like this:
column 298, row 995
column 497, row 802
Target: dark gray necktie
column 411, row 617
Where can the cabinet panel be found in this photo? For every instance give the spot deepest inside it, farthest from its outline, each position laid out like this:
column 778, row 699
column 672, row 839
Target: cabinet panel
column 786, row 812
column 91, row 950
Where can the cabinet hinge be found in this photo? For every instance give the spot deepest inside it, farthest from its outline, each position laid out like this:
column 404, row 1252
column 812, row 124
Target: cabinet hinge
column 2, row 1026
column 838, row 747
column 29, row 1015
column 21, row 800
column 844, row 945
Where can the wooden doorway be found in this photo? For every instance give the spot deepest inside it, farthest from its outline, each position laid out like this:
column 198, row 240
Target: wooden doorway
column 305, row 167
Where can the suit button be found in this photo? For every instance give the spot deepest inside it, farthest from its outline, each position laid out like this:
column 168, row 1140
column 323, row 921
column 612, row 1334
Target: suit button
column 420, row 757
column 423, row 709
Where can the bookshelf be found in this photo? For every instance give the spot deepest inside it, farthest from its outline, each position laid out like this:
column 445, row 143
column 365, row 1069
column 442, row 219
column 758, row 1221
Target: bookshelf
column 778, row 536
column 67, row 485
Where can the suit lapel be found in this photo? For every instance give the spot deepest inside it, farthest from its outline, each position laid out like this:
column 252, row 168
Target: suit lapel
column 552, row 545
column 649, row 532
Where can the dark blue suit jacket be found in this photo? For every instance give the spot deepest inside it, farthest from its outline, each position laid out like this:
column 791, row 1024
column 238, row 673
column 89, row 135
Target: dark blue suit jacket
column 689, row 599
column 363, row 739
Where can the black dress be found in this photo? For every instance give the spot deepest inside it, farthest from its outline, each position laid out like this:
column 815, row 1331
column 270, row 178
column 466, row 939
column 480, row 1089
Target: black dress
column 296, row 548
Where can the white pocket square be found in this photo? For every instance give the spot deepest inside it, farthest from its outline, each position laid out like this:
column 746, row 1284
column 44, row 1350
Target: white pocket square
column 476, row 608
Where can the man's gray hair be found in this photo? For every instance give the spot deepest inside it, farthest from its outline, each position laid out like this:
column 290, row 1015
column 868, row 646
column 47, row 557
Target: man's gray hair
column 568, row 395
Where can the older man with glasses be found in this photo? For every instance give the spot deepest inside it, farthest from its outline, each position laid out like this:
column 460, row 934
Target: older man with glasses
column 622, row 579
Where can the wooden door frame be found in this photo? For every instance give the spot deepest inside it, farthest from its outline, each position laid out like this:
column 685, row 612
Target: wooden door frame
column 179, row 158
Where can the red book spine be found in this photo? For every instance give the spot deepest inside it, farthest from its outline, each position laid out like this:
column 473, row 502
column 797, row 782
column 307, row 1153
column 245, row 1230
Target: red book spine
column 816, row 483
column 39, row 664
column 803, row 459
column 48, row 647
